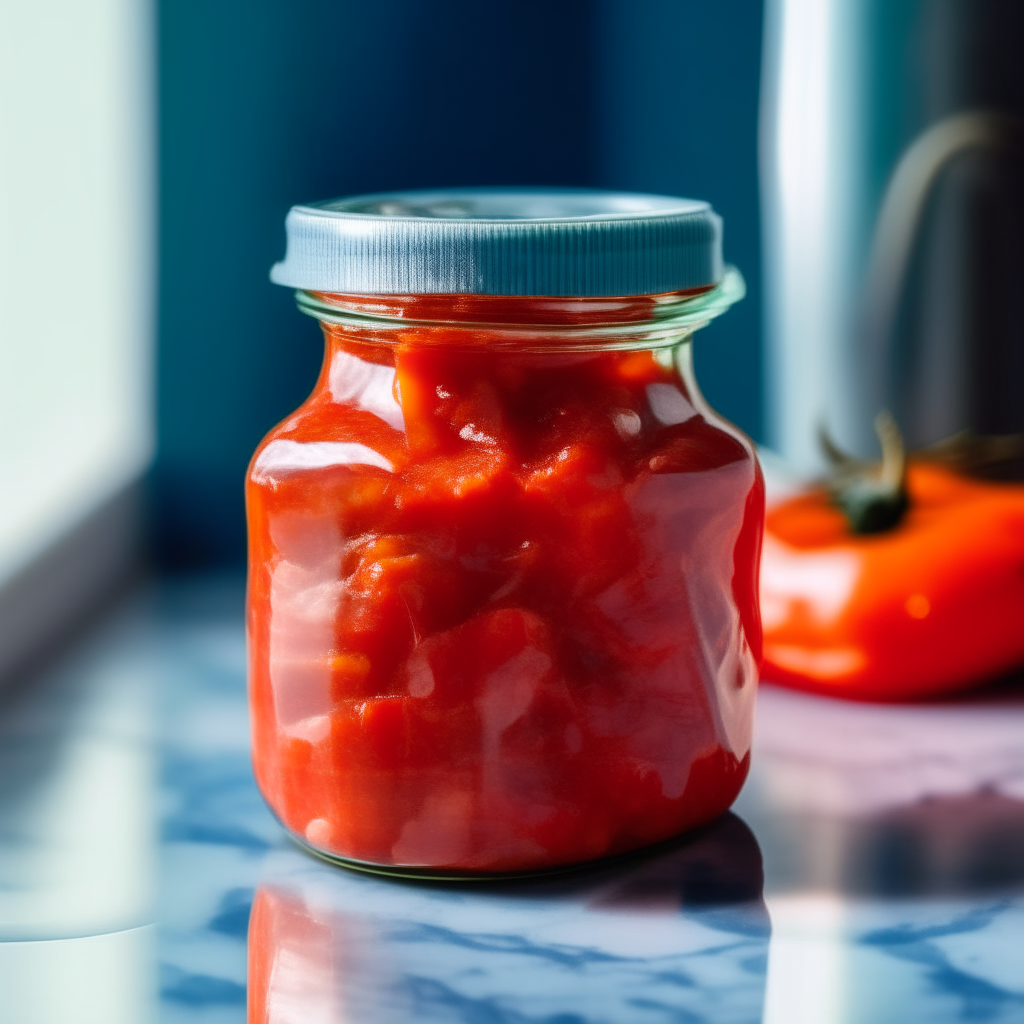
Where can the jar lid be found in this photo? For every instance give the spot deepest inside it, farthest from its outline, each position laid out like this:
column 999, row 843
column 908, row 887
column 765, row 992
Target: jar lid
column 502, row 241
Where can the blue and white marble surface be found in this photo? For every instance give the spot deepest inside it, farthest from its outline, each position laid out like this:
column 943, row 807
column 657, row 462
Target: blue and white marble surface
column 873, row 870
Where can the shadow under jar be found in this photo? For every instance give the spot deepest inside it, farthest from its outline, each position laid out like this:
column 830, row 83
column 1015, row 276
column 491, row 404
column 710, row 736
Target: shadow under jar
column 502, row 603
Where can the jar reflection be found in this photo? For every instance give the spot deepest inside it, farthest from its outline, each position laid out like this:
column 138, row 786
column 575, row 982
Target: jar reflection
column 682, row 934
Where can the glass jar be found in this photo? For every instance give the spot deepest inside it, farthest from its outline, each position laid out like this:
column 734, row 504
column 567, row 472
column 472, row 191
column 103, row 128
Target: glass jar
column 502, row 603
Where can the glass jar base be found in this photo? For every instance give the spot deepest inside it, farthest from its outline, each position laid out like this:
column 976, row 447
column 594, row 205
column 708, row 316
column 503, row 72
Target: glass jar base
column 428, row 874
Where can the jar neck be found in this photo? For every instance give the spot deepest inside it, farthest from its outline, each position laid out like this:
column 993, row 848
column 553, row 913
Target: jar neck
column 521, row 322
column 530, row 310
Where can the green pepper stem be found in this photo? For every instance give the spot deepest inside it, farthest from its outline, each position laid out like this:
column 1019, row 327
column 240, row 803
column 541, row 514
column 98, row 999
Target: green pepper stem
column 872, row 495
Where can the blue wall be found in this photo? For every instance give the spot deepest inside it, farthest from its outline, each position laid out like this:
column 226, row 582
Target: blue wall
column 676, row 99
column 270, row 102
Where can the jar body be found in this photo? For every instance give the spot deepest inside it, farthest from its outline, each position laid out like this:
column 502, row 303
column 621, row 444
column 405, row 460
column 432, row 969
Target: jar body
column 502, row 604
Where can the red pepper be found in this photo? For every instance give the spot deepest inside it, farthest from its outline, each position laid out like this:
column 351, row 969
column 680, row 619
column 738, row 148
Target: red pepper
column 916, row 608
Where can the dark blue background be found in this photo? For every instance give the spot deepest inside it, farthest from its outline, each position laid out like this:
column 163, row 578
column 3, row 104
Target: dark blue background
column 265, row 103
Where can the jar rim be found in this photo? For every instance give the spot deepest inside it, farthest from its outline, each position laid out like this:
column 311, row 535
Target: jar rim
column 681, row 315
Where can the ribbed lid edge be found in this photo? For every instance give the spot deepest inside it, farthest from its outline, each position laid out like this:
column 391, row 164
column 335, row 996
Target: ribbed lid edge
column 502, row 242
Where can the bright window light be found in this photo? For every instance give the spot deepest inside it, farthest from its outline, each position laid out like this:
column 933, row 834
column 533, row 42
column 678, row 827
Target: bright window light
column 76, row 264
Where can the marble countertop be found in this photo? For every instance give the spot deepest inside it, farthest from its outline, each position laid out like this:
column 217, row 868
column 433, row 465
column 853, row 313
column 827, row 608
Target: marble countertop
column 872, row 870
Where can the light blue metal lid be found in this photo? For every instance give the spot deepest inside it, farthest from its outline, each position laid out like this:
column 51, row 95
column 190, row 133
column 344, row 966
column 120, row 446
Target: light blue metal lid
column 502, row 241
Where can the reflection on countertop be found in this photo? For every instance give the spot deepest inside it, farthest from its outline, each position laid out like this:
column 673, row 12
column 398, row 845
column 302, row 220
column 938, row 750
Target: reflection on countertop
column 891, row 840
column 900, row 800
column 677, row 935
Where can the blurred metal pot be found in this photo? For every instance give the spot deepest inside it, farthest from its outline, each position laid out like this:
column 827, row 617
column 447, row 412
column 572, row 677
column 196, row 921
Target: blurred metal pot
column 892, row 164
